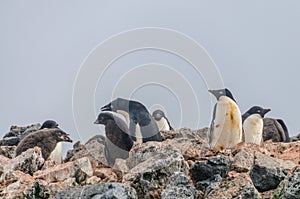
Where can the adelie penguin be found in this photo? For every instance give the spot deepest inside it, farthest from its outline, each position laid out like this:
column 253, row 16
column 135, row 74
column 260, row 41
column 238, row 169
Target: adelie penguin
column 226, row 126
column 46, row 139
column 57, row 152
column 253, row 124
column 162, row 121
column 141, row 125
column 117, row 142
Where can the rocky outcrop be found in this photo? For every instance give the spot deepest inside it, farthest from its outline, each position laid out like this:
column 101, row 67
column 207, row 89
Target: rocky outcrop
column 17, row 133
column 182, row 166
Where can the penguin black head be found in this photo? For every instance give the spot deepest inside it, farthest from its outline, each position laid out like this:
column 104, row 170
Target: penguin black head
column 103, row 118
column 61, row 136
column 257, row 110
column 117, row 104
column 158, row 114
column 222, row 92
column 49, row 124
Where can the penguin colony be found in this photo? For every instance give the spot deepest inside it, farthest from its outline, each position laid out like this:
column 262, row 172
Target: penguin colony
column 228, row 128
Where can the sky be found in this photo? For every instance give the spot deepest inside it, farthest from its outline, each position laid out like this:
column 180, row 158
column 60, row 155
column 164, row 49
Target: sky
column 253, row 46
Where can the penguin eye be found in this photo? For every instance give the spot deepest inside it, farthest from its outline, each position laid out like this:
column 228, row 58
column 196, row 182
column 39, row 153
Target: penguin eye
column 221, row 92
column 258, row 111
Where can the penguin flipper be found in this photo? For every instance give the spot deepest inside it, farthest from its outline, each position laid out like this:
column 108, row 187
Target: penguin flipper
column 285, row 129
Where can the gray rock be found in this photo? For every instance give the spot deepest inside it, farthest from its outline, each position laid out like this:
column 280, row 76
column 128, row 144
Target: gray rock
column 239, row 186
column 93, row 149
column 210, row 184
column 179, row 187
column 16, row 134
column 267, row 173
column 103, row 190
column 290, row 187
column 151, row 166
column 201, row 171
column 8, row 151
column 28, row 162
column 243, row 161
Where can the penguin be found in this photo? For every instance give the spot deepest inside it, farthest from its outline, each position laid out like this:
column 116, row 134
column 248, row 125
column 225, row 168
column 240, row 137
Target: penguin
column 275, row 130
column 162, row 121
column 253, row 124
column 46, row 139
column 56, row 154
column 141, row 124
column 226, row 125
column 118, row 141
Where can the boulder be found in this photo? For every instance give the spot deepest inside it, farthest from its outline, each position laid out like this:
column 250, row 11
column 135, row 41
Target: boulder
column 179, row 187
column 204, row 170
column 8, row 151
column 93, row 149
column 102, row 190
column 236, row 185
column 80, row 169
column 290, row 186
column 28, row 162
column 151, row 165
column 267, row 172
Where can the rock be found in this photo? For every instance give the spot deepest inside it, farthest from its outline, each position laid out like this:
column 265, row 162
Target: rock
column 243, row 160
column 106, row 175
column 93, row 149
column 8, row 151
column 80, row 169
column 186, row 133
column 151, row 166
column 15, row 183
column 16, row 134
column 28, row 162
column 237, row 186
column 295, row 138
column 267, row 173
column 103, row 190
column 179, row 187
column 37, row 190
column 290, row 187
column 201, row 171
column 284, row 151
column 210, row 184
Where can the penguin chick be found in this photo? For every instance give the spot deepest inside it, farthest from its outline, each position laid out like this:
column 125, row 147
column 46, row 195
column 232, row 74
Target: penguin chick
column 141, row 125
column 162, row 121
column 117, row 142
column 46, row 139
column 226, row 126
column 275, row 130
column 253, row 124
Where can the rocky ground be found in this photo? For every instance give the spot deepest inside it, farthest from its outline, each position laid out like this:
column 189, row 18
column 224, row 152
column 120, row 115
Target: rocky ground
column 182, row 166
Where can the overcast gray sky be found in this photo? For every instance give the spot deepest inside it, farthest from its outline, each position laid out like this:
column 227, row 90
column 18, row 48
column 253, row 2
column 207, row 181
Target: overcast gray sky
column 254, row 44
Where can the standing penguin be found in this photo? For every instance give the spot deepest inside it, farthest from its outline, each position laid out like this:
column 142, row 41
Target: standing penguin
column 57, row 152
column 46, row 139
column 162, row 121
column 117, row 142
column 226, row 126
column 253, row 124
column 141, row 125
column 275, row 130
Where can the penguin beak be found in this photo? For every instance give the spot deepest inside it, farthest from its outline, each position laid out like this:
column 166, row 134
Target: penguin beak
column 106, row 108
column 66, row 138
column 97, row 122
column 212, row 92
column 266, row 110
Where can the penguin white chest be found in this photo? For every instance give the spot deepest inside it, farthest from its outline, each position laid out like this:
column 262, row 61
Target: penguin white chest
column 163, row 124
column 253, row 129
column 56, row 154
column 226, row 129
